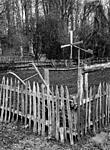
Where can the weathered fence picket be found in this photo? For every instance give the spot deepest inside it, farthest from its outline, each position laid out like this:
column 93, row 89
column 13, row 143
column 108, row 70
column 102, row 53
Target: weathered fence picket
column 35, row 108
column 10, row 101
column 3, row 100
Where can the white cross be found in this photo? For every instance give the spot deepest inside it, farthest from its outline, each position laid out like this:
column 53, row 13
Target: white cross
column 74, row 44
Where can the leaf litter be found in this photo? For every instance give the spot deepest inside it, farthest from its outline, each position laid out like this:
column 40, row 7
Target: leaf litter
column 16, row 137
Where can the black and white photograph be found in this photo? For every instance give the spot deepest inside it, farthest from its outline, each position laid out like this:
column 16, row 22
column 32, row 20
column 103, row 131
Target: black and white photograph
column 54, row 74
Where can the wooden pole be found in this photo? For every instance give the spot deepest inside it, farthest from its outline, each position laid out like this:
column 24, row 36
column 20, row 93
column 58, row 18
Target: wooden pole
column 71, row 41
column 80, row 91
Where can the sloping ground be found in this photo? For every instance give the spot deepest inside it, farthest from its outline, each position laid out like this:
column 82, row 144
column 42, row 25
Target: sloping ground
column 15, row 137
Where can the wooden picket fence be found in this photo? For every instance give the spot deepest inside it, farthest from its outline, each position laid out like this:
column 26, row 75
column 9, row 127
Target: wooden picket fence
column 55, row 114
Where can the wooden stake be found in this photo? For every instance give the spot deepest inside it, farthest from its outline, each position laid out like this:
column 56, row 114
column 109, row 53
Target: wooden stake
column 35, row 106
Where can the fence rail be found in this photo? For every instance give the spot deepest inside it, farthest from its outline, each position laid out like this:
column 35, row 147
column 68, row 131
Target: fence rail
column 55, row 115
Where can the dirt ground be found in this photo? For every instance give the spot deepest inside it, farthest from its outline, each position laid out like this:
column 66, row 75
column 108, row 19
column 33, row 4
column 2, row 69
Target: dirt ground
column 15, row 137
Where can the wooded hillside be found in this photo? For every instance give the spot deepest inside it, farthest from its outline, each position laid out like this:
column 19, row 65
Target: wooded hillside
column 41, row 26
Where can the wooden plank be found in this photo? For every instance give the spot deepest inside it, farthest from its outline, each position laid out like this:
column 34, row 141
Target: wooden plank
column 57, row 113
column 22, row 103
column 43, row 110
column 10, row 100
column 26, row 102
column 80, row 98
column 63, row 113
column 86, row 94
column 100, row 104
column 18, row 98
column 30, row 104
column 108, row 103
column 97, row 109
column 2, row 113
column 94, row 109
column 1, row 88
column 106, row 107
column 6, row 99
column 53, row 113
column 39, row 106
column 103, row 102
column 35, row 105
column 14, row 99
column 69, row 117
column 89, row 115
column 49, row 113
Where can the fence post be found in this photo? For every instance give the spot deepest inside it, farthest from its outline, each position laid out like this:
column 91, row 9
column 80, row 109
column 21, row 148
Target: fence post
column 80, row 97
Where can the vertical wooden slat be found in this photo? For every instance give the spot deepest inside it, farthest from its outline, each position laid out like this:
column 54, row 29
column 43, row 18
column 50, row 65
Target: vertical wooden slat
column 10, row 100
column 6, row 98
column 103, row 102
column 97, row 108
column 80, row 98
column 1, row 88
column 14, row 99
column 89, row 116
column 39, row 116
column 106, row 107
column 30, row 104
column 63, row 112
column 108, row 102
column 35, row 105
column 53, row 113
column 22, row 102
column 86, row 90
column 26, row 102
column 69, row 117
column 18, row 98
column 100, row 103
column 57, row 113
column 2, row 113
column 49, row 112
column 94, row 109
column 43, row 110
